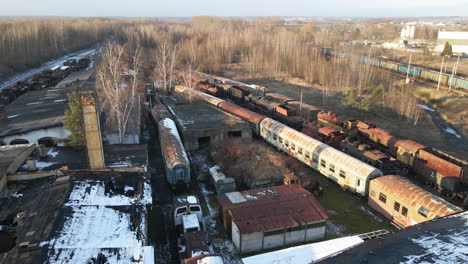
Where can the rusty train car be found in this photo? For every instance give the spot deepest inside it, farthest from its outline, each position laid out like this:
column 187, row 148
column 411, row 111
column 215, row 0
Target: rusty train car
column 404, row 203
column 348, row 172
column 447, row 174
column 176, row 161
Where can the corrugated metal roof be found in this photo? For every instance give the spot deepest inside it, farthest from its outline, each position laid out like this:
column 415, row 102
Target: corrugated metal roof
column 273, row 208
column 414, row 195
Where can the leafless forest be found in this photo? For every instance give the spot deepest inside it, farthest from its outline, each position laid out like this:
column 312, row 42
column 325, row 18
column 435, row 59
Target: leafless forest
column 265, row 48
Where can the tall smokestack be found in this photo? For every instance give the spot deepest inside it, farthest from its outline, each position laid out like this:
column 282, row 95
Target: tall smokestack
column 92, row 132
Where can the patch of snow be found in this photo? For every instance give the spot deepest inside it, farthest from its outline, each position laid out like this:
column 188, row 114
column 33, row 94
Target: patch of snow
column 453, row 132
column 335, row 229
column 52, row 152
column 250, row 197
column 34, row 103
column 13, row 116
column 64, row 67
column 425, row 107
column 55, row 67
column 128, row 188
column 192, row 199
column 16, row 195
column 147, row 194
column 140, row 255
column 59, row 100
column 94, row 193
column 198, row 253
column 442, row 248
column 122, row 163
column 96, row 227
column 305, row 254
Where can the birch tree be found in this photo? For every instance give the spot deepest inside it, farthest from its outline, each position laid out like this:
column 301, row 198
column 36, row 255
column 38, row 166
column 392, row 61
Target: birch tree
column 117, row 85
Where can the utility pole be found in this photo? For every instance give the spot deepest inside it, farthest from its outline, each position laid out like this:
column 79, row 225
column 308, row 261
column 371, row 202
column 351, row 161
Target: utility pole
column 454, row 70
column 409, row 65
column 440, row 74
column 300, row 104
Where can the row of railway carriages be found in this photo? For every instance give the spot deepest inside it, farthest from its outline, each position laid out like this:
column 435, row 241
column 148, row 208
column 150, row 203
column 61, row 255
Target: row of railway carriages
column 415, row 71
column 363, row 140
column 352, row 175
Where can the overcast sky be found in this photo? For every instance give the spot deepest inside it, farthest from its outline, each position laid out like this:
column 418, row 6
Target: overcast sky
column 179, row 8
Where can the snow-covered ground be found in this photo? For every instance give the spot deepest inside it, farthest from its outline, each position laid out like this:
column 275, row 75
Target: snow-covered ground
column 425, row 107
column 47, row 65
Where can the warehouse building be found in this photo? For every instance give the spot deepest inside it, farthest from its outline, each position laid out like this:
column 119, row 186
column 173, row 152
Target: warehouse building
column 458, row 40
column 201, row 125
column 272, row 217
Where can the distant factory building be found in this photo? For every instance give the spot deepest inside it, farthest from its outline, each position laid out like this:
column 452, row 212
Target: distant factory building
column 201, row 125
column 272, row 217
column 458, row 40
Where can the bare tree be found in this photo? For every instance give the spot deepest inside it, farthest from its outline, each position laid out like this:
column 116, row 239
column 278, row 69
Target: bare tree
column 117, row 86
column 166, row 60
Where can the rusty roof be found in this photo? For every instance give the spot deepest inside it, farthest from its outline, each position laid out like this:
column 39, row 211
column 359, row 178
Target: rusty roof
column 278, row 97
column 241, row 112
column 409, row 145
column 414, row 195
column 171, row 144
column 273, row 208
column 333, row 117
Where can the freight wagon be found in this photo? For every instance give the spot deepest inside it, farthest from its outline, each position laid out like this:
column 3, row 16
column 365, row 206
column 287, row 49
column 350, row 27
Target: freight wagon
column 412, row 71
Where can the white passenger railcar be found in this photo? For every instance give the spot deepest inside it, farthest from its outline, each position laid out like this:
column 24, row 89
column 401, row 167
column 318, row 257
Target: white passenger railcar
column 350, row 173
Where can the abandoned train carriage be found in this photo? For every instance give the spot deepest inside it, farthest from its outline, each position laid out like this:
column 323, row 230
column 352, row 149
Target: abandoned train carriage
column 404, row 203
column 174, row 155
column 348, row 172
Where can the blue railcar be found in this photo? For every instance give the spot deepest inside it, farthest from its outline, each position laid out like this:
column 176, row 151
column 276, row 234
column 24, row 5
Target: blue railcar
column 458, row 82
column 412, row 71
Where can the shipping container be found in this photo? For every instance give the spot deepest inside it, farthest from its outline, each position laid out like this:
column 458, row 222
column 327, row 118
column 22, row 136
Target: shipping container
column 458, row 82
column 412, row 71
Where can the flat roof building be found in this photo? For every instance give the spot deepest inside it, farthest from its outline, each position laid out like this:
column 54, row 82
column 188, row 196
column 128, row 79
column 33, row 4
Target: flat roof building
column 458, row 40
column 272, row 217
column 201, row 125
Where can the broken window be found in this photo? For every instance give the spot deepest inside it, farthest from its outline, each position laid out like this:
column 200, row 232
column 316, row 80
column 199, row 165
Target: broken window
column 237, row 133
column 382, row 198
column 404, row 211
column 423, row 211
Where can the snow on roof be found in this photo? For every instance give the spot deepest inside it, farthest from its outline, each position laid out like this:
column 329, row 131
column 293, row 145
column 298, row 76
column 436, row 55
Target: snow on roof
column 96, row 227
column 55, row 67
column 190, row 221
column 140, row 255
column 305, row 254
column 236, row 197
column 192, row 199
column 64, row 67
column 93, row 193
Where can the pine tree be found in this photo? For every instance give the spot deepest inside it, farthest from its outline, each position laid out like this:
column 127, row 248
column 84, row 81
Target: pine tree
column 447, row 49
column 74, row 120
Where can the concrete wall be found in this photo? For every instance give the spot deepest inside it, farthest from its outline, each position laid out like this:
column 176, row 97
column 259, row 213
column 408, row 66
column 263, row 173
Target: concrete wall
column 315, row 233
column 33, row 136
column 190, row 138
column 3, row 181
column 92, row 132
column 273, row 241
column 247, row 243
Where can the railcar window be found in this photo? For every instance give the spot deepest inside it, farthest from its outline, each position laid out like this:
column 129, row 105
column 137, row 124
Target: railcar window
column 307, row 154
column 280, row 139
column 286, row 143
column 299, row 150
column 323, row 163
column 332, row 168
column 293, row 146
column 396, row 206
column 404, row 211
column 382, row 198
column 423, row 211
column 343, row 175
column 358, row 182
column 275, row 137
